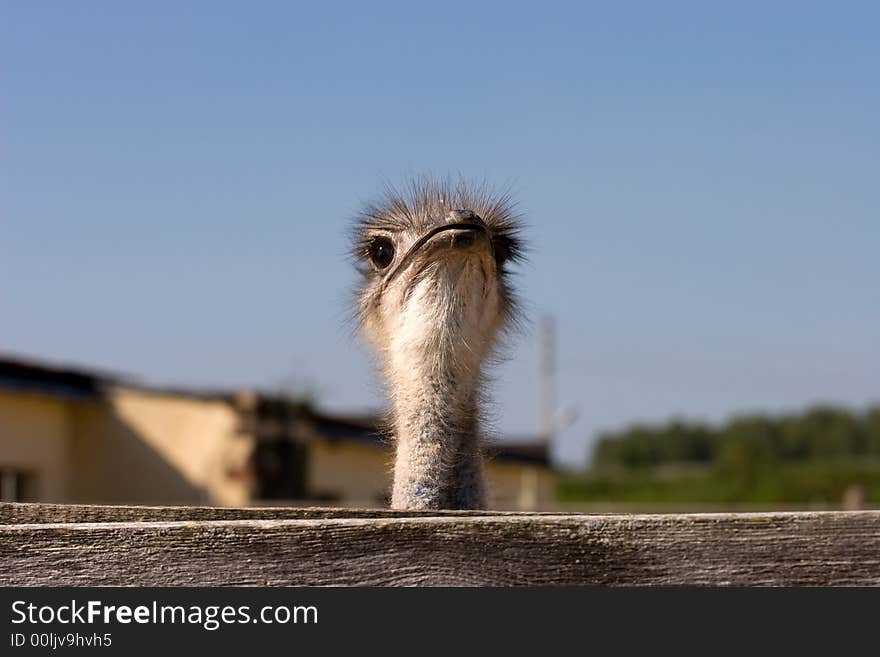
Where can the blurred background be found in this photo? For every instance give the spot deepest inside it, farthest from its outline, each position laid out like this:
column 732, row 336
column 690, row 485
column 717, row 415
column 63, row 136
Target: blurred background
column 700, row 183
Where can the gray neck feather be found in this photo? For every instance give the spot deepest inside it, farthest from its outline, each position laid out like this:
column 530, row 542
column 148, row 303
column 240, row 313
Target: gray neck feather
column 438, row 463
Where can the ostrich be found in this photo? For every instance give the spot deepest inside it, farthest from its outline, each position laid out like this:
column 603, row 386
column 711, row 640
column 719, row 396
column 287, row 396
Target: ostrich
column 434, row 299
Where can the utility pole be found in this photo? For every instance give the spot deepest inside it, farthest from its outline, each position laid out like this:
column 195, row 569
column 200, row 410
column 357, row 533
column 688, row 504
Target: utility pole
column 530, row 484
column 546, row 373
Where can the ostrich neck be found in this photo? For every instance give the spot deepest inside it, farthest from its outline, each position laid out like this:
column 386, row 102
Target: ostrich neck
column 438, row 464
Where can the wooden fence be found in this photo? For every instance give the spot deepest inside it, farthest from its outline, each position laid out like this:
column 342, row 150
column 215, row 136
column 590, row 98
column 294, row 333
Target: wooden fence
column 63, row 545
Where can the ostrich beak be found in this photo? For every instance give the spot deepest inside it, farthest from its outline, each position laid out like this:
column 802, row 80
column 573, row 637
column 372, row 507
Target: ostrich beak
column 460, row 234
column 461, row 237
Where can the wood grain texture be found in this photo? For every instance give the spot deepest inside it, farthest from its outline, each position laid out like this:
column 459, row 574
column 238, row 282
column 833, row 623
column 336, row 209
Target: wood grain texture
column 27, row 513
column 826, row 548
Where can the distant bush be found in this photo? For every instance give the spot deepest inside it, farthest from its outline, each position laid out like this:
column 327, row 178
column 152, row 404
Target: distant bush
column 639, row 446
column 745, row 442
column 794, row 484
column 809, row 459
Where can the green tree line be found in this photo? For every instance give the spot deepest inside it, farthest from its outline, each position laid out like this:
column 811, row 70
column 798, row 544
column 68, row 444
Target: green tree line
column 819, row 458
column 822, row 433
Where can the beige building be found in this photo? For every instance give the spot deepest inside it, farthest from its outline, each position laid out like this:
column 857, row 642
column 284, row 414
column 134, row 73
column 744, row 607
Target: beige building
column 80, row 437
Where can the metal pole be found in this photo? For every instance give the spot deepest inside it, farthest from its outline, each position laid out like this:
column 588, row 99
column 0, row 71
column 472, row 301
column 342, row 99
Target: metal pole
column 546, row 371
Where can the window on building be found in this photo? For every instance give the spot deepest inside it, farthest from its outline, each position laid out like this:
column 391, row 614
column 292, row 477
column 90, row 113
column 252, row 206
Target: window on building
column 15, row 485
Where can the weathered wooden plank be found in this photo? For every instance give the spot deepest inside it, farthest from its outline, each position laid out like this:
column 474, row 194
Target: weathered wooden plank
column 14, row 513
column 826, row 548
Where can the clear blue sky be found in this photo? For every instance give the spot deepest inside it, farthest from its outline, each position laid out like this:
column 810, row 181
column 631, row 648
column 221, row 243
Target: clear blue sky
column 702, row 184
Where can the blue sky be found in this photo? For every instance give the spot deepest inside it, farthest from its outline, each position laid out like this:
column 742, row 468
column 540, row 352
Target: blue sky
column 701, row 184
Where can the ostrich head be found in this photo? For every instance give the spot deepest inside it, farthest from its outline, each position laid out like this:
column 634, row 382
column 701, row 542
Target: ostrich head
column 434, row 298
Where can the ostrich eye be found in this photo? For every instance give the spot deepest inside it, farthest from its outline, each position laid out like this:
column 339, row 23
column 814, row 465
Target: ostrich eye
column 381, row 252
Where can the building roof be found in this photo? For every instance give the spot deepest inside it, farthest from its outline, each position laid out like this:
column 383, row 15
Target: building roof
column 368, row 429
column 26, row 375
column 534, row 451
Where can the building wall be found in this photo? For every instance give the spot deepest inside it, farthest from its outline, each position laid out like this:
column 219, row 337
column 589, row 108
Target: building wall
column 140, row 447
column 349, row 473
column 150, row 448
column 35, row 438
column 359, row 475
column 520, row 486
